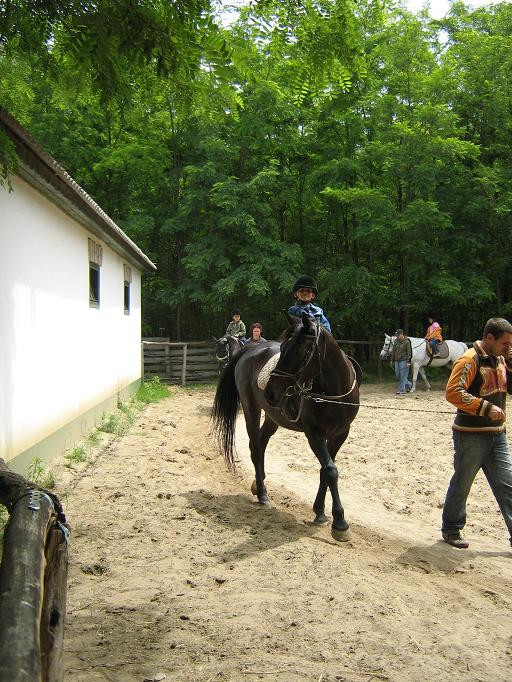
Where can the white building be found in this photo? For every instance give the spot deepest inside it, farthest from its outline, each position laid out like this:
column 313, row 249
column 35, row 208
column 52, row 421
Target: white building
column 70, row 308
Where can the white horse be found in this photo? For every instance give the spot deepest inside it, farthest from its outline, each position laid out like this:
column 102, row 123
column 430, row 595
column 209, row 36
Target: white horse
column 420, row 357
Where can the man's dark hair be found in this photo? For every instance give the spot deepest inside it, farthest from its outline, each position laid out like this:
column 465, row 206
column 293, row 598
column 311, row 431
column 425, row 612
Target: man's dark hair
column 497, row 326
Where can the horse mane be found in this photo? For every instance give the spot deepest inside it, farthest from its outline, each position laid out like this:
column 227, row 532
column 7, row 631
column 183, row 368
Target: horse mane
column 287, row 333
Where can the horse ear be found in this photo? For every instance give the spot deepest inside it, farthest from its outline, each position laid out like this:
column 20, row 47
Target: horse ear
column 290, row 319
column 214, row 339
column 306, row 321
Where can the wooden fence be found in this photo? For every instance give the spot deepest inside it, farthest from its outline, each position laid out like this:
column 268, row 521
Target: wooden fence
column 33, row 582
column 195, row 362
column 180, row 362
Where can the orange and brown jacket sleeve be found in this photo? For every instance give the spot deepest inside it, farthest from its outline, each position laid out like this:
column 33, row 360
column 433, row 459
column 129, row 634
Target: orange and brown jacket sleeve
column 461, row 378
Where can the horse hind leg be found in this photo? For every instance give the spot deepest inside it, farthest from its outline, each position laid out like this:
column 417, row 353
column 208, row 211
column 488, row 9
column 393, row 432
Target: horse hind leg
column 258, row 444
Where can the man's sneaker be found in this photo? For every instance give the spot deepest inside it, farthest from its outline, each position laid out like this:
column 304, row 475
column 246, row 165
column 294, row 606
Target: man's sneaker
column 456, row 540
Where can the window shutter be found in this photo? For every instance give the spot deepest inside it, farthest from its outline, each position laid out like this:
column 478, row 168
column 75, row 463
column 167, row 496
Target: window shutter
column 95, row 253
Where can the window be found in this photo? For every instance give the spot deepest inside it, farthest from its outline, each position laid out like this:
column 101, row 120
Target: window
column 127, row 286
column 95, row 261
column 94, row 286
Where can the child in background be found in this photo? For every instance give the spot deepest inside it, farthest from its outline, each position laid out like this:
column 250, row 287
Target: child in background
column 236, row 327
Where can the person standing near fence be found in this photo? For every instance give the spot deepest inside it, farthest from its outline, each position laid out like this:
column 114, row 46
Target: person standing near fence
column 401, row 356
column 478, row 387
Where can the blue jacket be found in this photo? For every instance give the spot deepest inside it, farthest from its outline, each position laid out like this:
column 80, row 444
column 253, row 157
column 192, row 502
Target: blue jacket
column 311, row 310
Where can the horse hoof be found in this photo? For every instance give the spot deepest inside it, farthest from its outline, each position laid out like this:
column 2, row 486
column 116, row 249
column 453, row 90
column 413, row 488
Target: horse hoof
column 341, row 535
column 321, row 520
column 254, row 488
column 264, row 501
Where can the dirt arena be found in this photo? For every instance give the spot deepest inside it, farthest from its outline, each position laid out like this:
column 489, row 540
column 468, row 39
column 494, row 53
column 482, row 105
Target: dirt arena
column 177, row 574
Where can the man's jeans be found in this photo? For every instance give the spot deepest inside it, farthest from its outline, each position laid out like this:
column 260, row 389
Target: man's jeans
column 435, row 344
column 488, row 451
column 402, row 371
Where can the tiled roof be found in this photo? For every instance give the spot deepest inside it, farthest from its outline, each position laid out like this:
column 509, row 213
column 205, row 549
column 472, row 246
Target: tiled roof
column 42, row 171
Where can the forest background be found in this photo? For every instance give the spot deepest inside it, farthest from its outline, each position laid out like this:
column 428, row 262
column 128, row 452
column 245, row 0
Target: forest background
column 358, row 143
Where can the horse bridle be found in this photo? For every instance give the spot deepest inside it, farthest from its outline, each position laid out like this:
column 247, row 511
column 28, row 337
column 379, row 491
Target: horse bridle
column 303, row 390
column 225, row 357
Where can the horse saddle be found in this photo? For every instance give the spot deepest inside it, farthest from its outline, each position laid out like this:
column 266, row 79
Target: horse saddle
column 270, row 365
column 265, row 371
column 442, row 351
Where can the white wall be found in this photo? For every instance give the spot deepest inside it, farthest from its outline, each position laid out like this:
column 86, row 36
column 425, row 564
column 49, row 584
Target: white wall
column 58, row 357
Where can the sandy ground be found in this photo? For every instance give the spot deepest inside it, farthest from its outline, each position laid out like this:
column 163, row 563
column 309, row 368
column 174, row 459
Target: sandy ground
column 177, row 574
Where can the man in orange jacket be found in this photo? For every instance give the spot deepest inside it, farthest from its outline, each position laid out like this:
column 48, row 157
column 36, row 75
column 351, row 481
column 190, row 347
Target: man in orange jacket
column 478, row 387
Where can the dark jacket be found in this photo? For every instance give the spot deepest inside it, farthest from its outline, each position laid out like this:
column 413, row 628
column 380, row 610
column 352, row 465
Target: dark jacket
column 402, row 350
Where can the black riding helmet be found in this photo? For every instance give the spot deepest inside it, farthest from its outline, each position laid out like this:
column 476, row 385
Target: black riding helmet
column 307, row 282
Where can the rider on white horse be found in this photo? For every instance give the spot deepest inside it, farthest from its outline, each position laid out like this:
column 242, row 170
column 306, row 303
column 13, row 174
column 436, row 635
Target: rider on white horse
column 420, row 357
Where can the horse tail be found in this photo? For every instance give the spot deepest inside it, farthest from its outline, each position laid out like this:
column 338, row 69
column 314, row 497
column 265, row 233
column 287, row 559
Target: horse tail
column 225, row 408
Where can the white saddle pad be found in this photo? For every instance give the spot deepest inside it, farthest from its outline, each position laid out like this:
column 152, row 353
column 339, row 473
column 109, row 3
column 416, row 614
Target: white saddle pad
column 268, row 367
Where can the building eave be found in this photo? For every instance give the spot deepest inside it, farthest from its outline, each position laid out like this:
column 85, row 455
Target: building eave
column 41, row 171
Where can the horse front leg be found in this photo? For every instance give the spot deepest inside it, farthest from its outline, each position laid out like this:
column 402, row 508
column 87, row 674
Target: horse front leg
column 333, row 445
column 328, row 479
column 424, row 377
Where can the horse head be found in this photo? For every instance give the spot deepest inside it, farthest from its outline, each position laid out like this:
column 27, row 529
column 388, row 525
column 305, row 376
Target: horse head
column 297, row 350
column 222, row 349
column 385, row 353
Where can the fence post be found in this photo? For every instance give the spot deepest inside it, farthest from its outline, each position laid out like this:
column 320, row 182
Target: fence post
column 184, row 366
column 168, row 361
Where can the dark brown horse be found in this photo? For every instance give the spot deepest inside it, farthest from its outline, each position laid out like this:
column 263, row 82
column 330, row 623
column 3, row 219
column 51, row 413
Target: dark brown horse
column 225, row 348
column 314, row 388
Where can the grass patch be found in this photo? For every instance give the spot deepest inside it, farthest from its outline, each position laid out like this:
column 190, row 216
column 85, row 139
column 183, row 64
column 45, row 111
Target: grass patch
column 38, row 473
column 93, row 439
column 115, row 424
column 152, row 391
column 77, row 455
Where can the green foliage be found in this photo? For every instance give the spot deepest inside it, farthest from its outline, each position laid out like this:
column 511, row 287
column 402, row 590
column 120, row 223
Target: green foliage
column 76, row 455
column 38, row 473
column 114, row 424
column 152, row 391
column 343, row 141
column 93, row 439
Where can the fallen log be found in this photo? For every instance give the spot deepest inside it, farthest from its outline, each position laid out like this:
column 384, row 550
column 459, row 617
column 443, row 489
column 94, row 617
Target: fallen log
column 33, row 577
